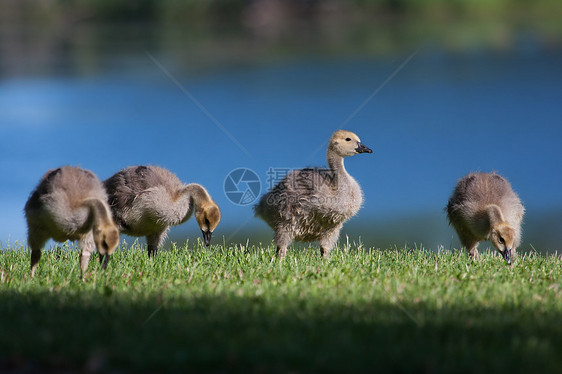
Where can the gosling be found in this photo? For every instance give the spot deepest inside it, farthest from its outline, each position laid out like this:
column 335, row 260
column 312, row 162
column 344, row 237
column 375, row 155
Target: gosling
column 484, row 207
column 313, row 204
column 70, row 203
column 147, row 200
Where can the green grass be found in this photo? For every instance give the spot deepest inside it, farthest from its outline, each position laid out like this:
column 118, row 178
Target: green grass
column 238, row 309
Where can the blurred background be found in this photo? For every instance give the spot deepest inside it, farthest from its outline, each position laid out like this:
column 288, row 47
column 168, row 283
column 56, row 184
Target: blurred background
column 437, row 88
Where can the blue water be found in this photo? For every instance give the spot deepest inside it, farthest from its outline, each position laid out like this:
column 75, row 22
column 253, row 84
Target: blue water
column 440, row 117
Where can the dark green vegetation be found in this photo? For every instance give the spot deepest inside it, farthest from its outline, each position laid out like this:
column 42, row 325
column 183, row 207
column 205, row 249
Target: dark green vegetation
column 84, row 38
column 227, row 309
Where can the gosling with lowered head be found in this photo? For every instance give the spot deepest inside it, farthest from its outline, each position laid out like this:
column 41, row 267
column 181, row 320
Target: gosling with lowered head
column 484, row 207
column 70, row 203
column 147, row 200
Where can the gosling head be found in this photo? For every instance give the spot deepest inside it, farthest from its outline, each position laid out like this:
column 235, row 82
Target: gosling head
column 502, row 238
column 106, row 237
column 208, row 217
column 345, row 143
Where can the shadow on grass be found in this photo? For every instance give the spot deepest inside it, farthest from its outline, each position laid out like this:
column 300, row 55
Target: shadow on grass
column 58, row 331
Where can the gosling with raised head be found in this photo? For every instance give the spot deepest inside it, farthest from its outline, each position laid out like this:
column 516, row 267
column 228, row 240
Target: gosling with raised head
column 484, row 207
column 313, row 204
column 147, row 200
column 70, row 203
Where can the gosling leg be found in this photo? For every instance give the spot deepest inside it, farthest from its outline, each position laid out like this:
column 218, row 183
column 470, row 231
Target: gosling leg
column 152, row 250
column 473, row 251
column 36, row 242
column 154, row 242
column 87, row 246
column 282, row 239
column 35, row 257
column 470, row 243
column 329, row 241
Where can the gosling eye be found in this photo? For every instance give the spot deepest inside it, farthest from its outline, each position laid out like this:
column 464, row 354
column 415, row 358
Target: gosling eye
column 502, row 240
column 347, row 139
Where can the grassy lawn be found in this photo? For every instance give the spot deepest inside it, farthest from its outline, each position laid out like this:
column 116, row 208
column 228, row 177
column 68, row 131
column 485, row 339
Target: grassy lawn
column 224, row 309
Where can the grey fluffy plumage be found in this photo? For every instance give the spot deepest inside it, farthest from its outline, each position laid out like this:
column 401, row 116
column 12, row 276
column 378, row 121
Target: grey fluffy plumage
column 147, row 200
column 70, row 203
column 483, row 206
column 313, row 204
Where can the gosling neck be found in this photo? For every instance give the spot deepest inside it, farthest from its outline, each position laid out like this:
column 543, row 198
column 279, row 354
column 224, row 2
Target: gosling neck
column 99, row 212
column 486, row 219
column 335, row 162
column 495, row 215
column 197, row 194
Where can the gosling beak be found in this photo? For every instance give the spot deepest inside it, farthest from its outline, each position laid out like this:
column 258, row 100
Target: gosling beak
column 507, row 255
column 104, row 260
column 361, row 148
column 207, row 237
